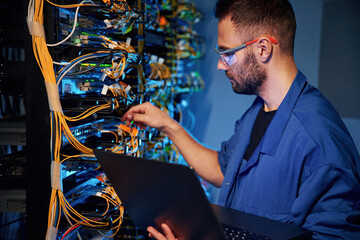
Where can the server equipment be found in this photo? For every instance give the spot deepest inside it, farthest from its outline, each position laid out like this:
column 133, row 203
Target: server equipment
column 97, row 59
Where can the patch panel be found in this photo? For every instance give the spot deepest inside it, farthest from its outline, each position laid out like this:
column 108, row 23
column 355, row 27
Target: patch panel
column 82, row 132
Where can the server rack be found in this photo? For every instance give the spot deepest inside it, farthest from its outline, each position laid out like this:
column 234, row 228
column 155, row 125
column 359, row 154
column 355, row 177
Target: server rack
column 161, row 70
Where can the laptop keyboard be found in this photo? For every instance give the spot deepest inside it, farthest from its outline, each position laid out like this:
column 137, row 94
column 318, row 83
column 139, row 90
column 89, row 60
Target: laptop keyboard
column 233, row 233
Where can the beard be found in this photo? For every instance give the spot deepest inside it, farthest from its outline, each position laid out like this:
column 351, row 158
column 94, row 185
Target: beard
column 248, row 77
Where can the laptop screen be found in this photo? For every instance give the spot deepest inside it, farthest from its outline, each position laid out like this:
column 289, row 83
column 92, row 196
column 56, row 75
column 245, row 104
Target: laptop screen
column 155, row 192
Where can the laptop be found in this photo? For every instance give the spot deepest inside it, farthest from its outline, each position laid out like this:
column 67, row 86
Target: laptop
column 155, row 192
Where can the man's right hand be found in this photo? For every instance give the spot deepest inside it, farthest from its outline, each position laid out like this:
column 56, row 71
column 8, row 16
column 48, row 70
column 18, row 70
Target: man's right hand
column 147, row 114
column 204, row 160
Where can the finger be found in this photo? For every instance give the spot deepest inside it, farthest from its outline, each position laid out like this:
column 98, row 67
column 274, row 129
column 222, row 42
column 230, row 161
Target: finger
column 127, row 120
column 154, row 233
column 125, row 117
column 134, row 109
column 168, row 233
column 128, row 115
column 140, row 119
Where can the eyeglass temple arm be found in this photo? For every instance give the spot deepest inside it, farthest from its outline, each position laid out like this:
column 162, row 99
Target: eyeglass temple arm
column 243, row 45
column 271, row 39
column 231, row 49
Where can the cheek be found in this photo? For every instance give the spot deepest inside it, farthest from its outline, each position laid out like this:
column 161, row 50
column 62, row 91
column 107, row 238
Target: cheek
column 237, row 70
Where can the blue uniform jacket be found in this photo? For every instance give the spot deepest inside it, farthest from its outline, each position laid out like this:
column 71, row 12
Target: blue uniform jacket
column 305, row 170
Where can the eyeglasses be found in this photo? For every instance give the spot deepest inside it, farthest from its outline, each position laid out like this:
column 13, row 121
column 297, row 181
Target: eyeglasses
column 228, row 56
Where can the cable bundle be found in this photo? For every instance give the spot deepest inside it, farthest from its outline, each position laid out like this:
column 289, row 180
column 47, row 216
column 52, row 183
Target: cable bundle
column 106, row 79
column 59, row 126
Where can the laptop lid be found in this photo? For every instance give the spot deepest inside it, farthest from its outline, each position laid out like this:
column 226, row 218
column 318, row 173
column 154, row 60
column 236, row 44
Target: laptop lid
column 155, row 192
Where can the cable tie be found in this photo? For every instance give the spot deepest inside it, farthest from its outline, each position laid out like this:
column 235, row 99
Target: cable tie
column 103, row 76
column 128, row 41
column 104, row 90
column 51, row 233
column 107, row 22
column 53, row 97
column 35, row 28
column 56, row 178
column 154, row 58
column 161, row 60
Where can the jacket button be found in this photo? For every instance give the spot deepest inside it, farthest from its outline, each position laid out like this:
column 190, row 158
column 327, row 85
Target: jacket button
column 226, row 184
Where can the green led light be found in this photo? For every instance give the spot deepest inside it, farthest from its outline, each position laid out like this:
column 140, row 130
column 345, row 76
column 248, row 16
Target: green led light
column 90, row 34
column 105, row 65
column 94, row 64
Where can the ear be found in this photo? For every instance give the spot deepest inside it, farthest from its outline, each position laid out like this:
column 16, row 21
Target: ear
column 264, row 49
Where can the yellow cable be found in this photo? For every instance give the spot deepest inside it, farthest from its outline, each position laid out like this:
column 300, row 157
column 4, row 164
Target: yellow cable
column 70, row 5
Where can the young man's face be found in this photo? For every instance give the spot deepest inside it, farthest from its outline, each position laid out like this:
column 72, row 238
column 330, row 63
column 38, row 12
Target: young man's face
column 245, row 72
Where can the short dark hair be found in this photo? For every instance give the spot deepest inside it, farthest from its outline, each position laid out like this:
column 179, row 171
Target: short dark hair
column 261, row 17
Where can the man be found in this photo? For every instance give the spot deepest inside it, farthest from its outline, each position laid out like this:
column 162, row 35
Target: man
column 291, row 157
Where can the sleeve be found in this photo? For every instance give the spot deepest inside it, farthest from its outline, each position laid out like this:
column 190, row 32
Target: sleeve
column 224, row 156
column 329, row 204
column 227, row 147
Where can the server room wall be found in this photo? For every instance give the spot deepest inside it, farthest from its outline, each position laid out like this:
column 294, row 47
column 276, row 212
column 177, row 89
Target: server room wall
column 214, row 108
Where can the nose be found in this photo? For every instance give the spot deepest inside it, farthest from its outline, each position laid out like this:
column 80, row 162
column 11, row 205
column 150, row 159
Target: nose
column 221, row 65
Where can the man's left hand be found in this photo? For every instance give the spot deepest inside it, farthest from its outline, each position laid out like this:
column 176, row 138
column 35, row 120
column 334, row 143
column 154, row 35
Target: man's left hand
column 159, row 236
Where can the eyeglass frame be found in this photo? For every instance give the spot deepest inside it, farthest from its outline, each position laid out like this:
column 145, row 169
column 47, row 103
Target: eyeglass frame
column 235, row 49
